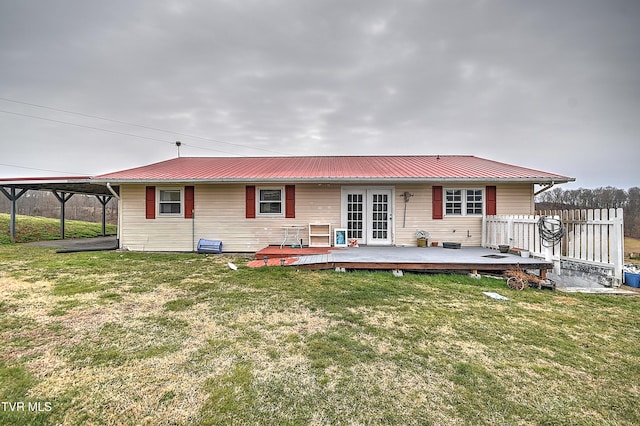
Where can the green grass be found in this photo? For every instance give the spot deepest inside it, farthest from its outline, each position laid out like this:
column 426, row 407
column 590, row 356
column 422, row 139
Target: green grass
column 632, row 250
column 112, row 338
column 29, row 229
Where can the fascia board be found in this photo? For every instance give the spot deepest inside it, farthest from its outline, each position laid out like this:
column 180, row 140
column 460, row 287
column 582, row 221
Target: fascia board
column 337, row 180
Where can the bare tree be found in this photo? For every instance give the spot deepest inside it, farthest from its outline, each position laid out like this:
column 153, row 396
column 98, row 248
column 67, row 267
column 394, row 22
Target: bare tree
column 597, row 198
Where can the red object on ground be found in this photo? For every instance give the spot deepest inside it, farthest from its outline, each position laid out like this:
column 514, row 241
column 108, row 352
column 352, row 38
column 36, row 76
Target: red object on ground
column 276, row 252
column 289, row 254
column 272, row 262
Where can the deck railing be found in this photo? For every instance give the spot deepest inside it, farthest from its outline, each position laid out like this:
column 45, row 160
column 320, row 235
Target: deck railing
column 519, row 232
column 594, row 237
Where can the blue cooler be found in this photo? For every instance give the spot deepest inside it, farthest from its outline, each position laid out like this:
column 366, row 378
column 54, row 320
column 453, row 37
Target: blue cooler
column 209, row 246
column 632, row 280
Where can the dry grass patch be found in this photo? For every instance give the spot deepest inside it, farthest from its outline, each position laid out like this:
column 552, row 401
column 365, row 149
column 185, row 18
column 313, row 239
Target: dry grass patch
column 135, row 338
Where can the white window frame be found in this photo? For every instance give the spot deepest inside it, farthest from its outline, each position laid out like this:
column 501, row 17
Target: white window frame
column 259, row 201
column 475, row 203
column 160, row 202
column 453, row 203
column 463, row 202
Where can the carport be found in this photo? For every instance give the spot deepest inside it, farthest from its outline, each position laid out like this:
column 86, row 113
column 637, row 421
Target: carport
column 63, row 188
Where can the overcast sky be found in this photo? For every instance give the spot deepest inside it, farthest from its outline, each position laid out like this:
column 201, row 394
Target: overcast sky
column 89, row 87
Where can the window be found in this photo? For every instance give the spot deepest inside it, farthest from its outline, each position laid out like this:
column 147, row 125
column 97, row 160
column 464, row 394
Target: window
column 355, row 218
column 453, row 200
column 474, row 201
column 270, row 201
column 463, row 202
column 170, row 202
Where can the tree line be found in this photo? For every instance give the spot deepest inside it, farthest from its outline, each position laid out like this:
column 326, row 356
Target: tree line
column 79, row 207
column 88, row 208
column 596, row 198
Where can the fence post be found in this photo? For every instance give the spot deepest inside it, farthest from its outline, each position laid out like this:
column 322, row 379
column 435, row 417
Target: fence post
column 484, row 231
column 617, row 248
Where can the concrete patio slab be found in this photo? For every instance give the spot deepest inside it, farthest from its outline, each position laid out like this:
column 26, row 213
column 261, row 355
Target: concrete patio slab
column 97, row 243
column 598, row 290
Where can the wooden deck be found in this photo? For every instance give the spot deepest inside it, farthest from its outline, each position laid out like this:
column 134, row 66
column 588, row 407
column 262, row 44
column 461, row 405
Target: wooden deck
column 473, row 259
column 277, row 252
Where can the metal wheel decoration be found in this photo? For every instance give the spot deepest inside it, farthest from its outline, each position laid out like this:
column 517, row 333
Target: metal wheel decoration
column 516, row 283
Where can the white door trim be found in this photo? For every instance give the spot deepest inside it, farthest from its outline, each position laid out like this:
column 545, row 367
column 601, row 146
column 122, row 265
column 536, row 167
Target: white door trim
column 367, row 193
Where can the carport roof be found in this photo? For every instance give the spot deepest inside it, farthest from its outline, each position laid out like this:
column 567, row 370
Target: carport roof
column 69, row 184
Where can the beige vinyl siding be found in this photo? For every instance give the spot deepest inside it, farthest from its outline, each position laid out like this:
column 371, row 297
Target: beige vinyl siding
column 515, row 199
column 220, row 215
column 141, row 234
column 467, row 230
column 418, row 213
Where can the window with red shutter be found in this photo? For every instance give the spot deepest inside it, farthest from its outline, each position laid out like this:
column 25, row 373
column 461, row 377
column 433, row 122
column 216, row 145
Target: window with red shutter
column 436, row 204
column 491, row 208
column 250, row 202
column 151, row 202
column 290, row 198
column 189, row 202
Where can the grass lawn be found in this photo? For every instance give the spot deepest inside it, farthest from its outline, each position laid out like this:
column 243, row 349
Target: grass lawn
column 29, row 228
column 133, row 338
column 632, row 245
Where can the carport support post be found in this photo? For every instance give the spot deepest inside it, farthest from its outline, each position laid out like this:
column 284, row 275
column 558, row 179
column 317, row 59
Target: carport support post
column 13, row 197
column 104, row 199
column 63, row 197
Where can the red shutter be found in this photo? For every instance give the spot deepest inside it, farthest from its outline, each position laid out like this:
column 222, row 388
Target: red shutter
column 437, row 202
column 251, row 202
column 189, row 202
column 151, row 202
column 290, row 204
column 491, row 200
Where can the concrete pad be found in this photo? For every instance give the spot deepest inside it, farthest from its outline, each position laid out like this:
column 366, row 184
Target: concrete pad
column 595, row 290
column 98, row 243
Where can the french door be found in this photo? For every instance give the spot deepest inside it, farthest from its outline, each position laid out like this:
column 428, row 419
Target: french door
column 367, row 215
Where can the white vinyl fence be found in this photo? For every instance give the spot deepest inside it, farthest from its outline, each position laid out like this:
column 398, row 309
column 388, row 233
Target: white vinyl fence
column 520, row 232
column 594, row 237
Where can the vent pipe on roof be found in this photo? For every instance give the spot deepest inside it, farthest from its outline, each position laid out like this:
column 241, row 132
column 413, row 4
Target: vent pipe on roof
column 178, row 144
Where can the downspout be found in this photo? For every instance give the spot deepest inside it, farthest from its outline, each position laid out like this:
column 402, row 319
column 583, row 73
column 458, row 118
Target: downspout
column 111, row 190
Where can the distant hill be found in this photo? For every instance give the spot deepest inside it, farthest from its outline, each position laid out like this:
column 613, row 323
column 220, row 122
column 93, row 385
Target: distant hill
column 29, row 229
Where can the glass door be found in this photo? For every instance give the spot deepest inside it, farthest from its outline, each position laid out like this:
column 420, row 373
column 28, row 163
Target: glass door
column 379, row 216
column 367, row 214
column 355, row 216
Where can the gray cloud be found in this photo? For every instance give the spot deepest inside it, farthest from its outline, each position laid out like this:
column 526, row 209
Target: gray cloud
column 550, row 85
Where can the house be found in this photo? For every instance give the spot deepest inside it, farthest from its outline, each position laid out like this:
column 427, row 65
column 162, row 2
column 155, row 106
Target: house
column 249, row 203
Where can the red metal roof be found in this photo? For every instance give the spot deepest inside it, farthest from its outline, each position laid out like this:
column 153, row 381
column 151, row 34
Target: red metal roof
column 347, row 168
